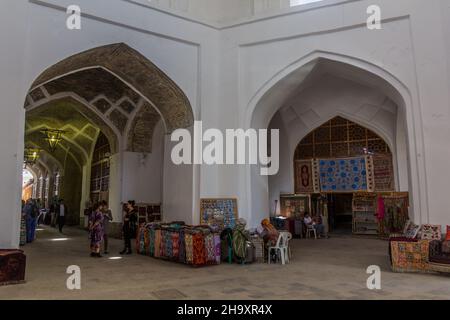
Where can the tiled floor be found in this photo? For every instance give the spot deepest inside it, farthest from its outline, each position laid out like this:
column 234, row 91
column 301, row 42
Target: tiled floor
column 321, row 269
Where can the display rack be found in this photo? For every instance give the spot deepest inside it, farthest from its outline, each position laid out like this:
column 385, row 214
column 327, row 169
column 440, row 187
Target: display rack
column 148, row 212
column 365, row 221
column 225, row 207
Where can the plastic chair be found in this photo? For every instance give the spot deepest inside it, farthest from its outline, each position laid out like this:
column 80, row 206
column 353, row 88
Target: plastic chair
column 282, row 247
column 310, row 228
column 287, row 239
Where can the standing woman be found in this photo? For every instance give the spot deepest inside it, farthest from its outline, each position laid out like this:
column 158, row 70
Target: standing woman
column 96, row 230
column 129, row 226
column 107, row 218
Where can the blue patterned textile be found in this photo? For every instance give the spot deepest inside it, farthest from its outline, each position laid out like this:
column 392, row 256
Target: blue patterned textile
column 343, row 175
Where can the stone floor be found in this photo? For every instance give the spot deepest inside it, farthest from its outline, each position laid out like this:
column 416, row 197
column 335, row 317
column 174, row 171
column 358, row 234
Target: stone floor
column 321, row 269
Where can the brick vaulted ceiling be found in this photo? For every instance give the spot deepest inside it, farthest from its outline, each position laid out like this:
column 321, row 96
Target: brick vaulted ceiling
column 89, row 92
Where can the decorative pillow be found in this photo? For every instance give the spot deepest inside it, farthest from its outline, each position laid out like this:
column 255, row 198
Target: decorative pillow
column 412, row 230
column 447, row 237
column 405, row 229
column 431, row 232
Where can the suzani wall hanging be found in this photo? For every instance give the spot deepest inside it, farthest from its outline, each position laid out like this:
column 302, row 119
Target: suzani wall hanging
column 345, row 175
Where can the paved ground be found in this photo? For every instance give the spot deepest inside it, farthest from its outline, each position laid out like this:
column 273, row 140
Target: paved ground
column 321, row 269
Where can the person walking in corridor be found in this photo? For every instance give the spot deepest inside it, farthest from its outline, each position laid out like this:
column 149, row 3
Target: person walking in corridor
column 61, row 213
column 30, row 216
column 129, row 226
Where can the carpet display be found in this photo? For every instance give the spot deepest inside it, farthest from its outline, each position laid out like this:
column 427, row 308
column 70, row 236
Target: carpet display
column 383, row 173
column 343, row 175
column 12, row 266
column 304, row 176
column 193, row 245
column 409, row 256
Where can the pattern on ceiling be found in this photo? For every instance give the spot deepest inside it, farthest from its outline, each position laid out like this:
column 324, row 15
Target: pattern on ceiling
column 142, row 128
column 132, row 67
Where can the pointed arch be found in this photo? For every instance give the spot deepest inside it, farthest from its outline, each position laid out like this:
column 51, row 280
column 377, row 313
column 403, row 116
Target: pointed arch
column 280, row 88
column 137, row 72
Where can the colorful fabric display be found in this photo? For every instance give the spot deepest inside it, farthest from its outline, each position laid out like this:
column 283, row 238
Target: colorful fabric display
column 199, row 254
column 151, row 245
column 163, row 247
column 182, row 253
column 189, row 247
column 158, row 243
column 167, row 244
column 140, row 239
column 447, row 237
column 409, row 256
column 217, row 245
column 175, row 245
column 210, row 248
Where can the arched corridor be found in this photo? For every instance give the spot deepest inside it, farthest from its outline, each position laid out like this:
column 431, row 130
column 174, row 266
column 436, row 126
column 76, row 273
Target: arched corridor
column 110, row 123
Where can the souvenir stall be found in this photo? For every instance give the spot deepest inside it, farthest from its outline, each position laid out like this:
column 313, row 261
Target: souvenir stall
column 392, row 212
column 365, row 220
column 147, row 212
column 293, row 208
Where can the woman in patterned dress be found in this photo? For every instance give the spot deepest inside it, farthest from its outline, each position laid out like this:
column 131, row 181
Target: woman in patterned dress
column 96, row 230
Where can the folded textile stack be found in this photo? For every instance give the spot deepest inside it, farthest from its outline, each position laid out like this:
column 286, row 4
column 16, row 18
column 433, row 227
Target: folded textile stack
column 193, row 245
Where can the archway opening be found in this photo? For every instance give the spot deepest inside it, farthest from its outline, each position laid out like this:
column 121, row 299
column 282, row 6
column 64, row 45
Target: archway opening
column 326, row 91
column 336, row 160
column 112, row 120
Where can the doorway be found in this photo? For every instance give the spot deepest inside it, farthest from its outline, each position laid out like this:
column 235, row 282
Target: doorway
column 340, row 213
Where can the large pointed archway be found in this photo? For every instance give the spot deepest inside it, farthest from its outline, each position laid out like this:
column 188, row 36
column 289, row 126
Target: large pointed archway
column 114, row 92
column 279, row 93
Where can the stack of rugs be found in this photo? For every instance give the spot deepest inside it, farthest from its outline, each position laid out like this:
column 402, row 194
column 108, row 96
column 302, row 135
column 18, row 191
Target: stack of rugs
column 192, row 245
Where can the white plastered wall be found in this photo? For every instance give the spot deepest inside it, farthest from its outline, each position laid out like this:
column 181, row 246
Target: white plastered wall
column 226, row 71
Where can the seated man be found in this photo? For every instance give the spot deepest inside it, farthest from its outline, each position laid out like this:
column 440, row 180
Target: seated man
column 316, row 223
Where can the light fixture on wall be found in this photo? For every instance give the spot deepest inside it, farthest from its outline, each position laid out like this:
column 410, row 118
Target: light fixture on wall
column 31, row 156
column 366, row 151
column 53, row 137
